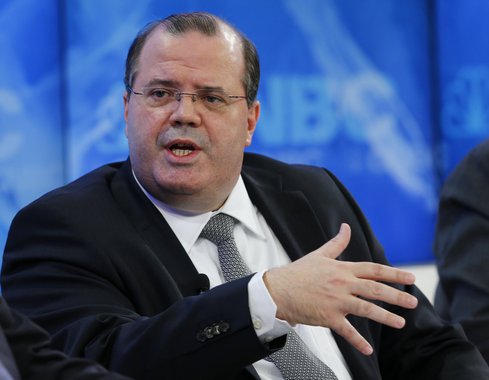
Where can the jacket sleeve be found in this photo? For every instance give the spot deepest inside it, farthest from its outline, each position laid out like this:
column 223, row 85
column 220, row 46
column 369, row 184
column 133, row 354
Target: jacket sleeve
column 35, row 358
column 56, row 271
column 462, row 247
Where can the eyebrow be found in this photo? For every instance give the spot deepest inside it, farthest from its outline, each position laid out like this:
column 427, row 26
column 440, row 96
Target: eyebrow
column 161, row 82
column 173, row 84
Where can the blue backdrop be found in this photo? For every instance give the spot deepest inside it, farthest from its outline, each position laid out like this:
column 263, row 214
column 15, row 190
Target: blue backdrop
column 389, row 95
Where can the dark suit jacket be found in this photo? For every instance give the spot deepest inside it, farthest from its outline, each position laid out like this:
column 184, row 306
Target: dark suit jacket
column 96, row 264
column 462, row 247
column 26, row 353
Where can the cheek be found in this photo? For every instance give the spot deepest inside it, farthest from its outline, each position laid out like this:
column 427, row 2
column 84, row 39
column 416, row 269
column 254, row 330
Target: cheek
column 141, row 126
column 229, row 144
column 141, row 142
column 235, row 130
column 231, row 148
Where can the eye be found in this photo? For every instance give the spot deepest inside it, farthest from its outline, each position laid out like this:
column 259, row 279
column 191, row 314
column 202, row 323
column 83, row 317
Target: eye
column 212, row 98
column 160, row 93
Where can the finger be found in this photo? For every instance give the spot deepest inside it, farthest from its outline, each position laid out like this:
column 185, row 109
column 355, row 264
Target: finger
column 381, row 292
column 347, row 331
column 383, row 273
column 334, row 247
column 366, row 309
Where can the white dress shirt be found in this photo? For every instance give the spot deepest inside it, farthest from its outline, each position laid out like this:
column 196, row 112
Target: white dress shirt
column 260, row 250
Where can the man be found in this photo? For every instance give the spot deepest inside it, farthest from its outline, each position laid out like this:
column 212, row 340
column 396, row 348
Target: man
column 25, row 353
column 117, row 265
column 462, row 247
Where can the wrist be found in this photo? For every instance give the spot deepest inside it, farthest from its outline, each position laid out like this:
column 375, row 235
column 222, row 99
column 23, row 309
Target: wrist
column 278, row 293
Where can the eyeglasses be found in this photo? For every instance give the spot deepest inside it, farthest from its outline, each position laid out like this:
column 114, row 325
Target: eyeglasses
column 212, row 100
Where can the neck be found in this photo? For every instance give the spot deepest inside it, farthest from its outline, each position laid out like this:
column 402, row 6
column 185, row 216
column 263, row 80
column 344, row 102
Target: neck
column 190, row 204
column 185, row 204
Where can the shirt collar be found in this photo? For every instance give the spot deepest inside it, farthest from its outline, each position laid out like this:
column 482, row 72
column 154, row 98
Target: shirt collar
column 187, row 227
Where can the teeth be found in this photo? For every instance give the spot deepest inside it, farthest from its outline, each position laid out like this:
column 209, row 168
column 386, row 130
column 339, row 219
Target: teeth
column 181, row 152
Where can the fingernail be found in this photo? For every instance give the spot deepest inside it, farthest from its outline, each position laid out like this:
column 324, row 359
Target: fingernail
column 400, row 323
column 368, row 350
column 410, row 278
column 413, row 301
column 342, row 228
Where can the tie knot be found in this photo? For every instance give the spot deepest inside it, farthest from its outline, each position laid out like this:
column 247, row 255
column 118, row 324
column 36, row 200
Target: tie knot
column 219, row 229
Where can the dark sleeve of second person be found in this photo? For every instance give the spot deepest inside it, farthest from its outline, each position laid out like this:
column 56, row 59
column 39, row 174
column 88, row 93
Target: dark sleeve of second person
column 36, row 359
column 462, row 247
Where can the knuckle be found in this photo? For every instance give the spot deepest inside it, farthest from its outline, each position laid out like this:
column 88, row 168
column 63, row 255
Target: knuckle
column 392, row 319
column 378, row 271
column 376, row 289
column 365, row 308
column 403, row 299
column 338, row 282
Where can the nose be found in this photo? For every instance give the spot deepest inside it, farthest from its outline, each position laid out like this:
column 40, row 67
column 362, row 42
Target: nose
column 179, row 95
column 185, row 111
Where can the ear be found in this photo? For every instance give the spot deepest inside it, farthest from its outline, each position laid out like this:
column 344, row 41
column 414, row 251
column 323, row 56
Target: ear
column 126, row 109
column 253, row 115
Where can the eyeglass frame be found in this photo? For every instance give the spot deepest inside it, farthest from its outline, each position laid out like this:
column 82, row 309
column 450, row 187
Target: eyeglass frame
column 177, row 95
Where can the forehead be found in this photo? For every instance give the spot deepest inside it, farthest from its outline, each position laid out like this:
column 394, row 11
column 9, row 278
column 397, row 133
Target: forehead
column 192, row 57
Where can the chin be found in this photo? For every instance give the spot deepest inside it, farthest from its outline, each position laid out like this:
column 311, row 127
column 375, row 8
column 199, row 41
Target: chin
column 183, row 188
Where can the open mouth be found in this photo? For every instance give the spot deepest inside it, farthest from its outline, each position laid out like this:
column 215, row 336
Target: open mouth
column 182, row 150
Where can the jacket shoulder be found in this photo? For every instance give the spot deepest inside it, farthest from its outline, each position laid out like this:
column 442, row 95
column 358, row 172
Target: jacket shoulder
column 87, row 185
column 299, row 174
column 90, row 191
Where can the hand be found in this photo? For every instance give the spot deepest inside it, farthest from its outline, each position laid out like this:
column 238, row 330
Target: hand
column 319, row 290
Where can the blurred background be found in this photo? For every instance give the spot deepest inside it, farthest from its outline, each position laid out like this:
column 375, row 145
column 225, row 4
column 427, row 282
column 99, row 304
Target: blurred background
column 388, row 94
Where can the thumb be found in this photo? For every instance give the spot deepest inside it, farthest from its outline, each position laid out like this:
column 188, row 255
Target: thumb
column 337, row 245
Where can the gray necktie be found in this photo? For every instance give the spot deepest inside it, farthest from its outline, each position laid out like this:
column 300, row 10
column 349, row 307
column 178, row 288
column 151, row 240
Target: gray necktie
column 295, row 361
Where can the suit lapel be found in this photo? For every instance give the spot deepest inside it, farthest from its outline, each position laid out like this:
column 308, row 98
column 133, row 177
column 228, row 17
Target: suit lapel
column 288, row 213
column 155, row 231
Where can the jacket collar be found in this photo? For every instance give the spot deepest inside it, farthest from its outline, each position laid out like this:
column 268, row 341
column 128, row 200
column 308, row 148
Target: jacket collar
column 156, row 233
